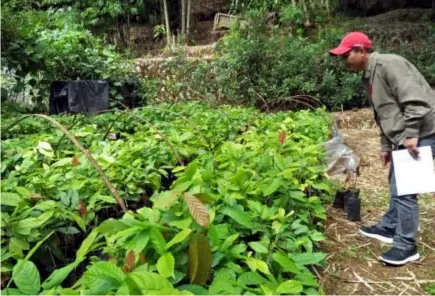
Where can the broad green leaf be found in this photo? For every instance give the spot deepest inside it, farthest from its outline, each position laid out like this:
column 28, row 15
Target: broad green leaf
column 258, row 247
column 86, row 245
column 182, row 224
column 179, row 237
column 16, row 246
column 166, row 265
column 165, row 200
column 290, row 287
column 80, row 222
column 10, row 199
column 157, row 240
column 308, row 258
column 103, row 277
column 37, row 245
column 141, row 282
column 62, row 162
column 200, row 259
column 24, row 192
column 178, row 169
column 317, row 236
column 30, row 223
column 307, row 279
column 269, row 288
column 195, row 289
column 286, row 263
column 111, row 226
column 228, row 242
column 251, row 278
column 272, row 187
column 59, row 275
column 255, row 264
column 139, row 242
column 26, row 277
column 240, row 217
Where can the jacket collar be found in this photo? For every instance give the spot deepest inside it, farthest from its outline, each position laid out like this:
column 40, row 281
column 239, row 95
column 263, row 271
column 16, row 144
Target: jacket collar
column 372, row 62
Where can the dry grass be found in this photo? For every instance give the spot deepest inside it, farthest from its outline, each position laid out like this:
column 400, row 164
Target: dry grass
column 353, row 266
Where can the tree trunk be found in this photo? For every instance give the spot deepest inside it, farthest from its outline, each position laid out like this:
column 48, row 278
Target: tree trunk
column 183, row 16
column 168, row 27
column 294, row 3
column 189, row 6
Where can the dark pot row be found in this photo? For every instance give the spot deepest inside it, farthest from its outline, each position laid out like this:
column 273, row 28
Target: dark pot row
column 349, row 201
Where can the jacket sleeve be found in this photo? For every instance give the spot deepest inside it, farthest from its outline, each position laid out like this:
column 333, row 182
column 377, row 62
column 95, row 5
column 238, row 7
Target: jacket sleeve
column 409, row 92
column 385, row 143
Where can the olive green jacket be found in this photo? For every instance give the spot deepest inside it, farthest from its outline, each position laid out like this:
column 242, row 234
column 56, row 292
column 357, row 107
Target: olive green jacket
column 402, row 100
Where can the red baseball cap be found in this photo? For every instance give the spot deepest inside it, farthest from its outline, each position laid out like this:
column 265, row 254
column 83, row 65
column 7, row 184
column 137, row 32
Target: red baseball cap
column 354, row 39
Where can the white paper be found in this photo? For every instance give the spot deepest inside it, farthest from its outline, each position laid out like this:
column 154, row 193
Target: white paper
column 414, row 176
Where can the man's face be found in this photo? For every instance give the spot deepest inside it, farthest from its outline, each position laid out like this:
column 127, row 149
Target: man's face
column 354, row 60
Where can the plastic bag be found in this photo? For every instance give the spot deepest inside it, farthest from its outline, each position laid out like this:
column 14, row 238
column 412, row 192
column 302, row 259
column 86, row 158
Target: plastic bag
column 343, row 162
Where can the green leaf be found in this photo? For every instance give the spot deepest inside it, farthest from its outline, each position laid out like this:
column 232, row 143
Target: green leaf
column 195, row 289
column 255, row 264
column 30, row 223
column 16, row 246
column 274, row 186
column 111, row 226
column 200, row 259
column 228, row 242
column 103, row 277
column 86, row 244
column 317, row 236
column 62, row 162
column 251, row 278
column 37, row 245
column 165, row 200
column 308, row 258
column 157, row 240
column 10, row 199
column 258, row 247
column 166, row 265
column 24, row 192
column 59, row 275
column 286, row 263
column 240, row 217
column 141, row 282
column 26, row 277
column 179, row 237
column 290, row 287
column 80, row 222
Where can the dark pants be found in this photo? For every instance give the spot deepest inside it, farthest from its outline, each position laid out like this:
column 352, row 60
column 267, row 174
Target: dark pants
column 403, row 216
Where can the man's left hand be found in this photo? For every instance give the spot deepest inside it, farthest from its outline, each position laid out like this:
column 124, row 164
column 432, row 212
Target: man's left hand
column 412, row 145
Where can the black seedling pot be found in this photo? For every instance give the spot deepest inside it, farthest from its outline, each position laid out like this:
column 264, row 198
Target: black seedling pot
column 339, row 199
column 348, row 194
column 354, row 209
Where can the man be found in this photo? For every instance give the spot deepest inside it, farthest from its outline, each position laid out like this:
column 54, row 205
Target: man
column 404, row 108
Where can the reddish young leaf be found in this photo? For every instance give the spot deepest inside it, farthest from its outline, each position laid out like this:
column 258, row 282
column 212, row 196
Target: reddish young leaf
column 75, row 161
column 83, row 210
column 130, row 259
column 282, row 137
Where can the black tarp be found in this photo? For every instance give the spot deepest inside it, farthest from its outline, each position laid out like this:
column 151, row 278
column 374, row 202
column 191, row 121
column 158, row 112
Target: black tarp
column 81, row 96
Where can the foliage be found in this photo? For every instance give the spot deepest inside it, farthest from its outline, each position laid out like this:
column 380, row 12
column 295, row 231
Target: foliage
column 39, row 47
column 243, row 214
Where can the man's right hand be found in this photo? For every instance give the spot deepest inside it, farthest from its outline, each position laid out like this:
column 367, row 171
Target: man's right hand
column 386, row 157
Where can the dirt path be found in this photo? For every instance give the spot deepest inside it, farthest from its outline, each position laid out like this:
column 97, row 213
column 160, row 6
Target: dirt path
column 353, row 267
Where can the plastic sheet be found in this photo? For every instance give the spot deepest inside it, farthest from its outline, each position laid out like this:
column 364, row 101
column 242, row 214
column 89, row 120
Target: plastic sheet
column 81, row 96
column 343, row 162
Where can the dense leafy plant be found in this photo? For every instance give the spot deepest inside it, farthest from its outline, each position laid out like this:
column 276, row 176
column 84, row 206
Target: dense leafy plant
column 40, row 46
column 242, row 213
